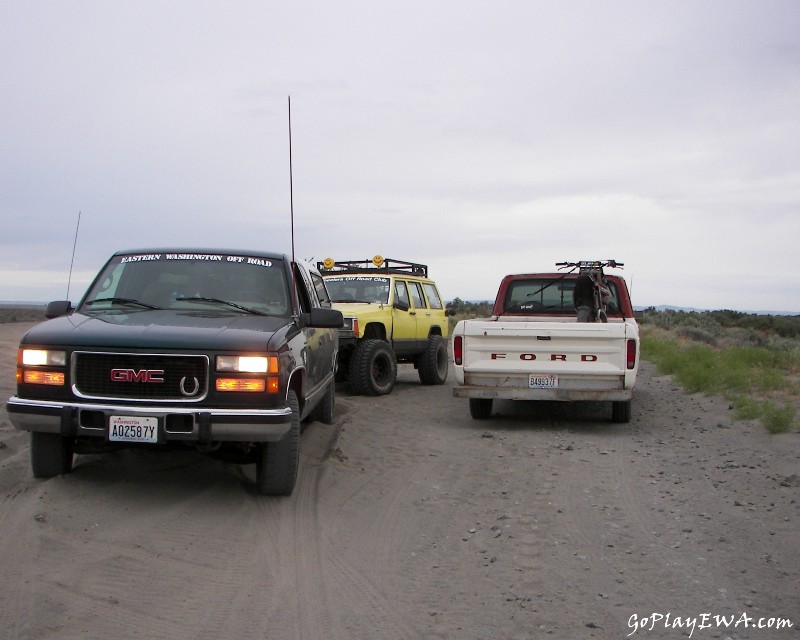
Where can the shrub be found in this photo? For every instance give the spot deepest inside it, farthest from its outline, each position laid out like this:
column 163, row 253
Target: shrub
column 741, row 364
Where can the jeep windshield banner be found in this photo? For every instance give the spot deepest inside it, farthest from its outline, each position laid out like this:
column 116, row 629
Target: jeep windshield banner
column 372, row 279
column 197, row 257
column 358, row 288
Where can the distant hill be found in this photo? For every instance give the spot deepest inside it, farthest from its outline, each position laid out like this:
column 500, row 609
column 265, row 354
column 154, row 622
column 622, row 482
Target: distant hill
column 666, row 307
column 21, row 312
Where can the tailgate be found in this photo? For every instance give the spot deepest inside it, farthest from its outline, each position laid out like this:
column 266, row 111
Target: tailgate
column 530, row 347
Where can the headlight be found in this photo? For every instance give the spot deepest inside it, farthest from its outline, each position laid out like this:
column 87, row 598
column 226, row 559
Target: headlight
column 248, row 364
column 41, row 361
column 43, row 358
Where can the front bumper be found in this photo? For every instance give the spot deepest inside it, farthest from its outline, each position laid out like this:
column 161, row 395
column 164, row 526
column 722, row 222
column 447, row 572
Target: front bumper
column 193, row 424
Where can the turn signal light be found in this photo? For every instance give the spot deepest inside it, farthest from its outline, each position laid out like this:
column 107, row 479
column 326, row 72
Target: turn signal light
column 458, row 349
column 255, row 385
column 54, row 378
column 241, row 384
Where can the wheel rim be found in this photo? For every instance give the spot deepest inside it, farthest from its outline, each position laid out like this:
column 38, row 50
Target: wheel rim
column 380, row 370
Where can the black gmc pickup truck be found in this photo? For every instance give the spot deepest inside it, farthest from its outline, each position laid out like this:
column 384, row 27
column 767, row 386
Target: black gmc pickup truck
column 224, row 351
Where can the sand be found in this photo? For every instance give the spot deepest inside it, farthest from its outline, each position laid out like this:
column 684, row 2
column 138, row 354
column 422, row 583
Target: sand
column 411, row 520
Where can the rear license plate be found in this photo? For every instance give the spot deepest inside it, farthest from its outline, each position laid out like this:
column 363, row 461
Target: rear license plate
column 543, row 382
column 128, row 429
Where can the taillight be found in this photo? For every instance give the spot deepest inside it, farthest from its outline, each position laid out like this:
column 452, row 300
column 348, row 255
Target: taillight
column 631, row 354
column 458, row 349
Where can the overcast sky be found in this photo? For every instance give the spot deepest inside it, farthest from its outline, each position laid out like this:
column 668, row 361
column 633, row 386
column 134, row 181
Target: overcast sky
column 479, row 137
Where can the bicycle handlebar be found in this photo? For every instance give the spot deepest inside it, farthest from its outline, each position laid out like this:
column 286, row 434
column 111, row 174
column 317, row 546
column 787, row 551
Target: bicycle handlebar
column 591, row 264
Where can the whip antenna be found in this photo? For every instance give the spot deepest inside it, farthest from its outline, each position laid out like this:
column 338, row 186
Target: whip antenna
column 291, row 189
column 72, row 261
column 291, row 209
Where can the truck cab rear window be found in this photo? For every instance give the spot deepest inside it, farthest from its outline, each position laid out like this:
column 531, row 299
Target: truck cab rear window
column 547, row 297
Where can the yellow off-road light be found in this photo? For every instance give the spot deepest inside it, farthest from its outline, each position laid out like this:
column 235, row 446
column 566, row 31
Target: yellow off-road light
column 377, row 260
column 329, row 263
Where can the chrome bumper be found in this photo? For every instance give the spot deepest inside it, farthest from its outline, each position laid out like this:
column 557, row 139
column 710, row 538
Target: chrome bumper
column 175, row 423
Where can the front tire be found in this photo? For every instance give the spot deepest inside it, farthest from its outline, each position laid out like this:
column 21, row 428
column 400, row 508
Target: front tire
column 373, row 368
column 277, row 463
column 480, row 408
column 51, row 454
column 434, row 361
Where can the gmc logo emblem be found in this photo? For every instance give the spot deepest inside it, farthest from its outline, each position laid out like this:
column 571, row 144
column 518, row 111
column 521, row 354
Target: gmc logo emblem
column 142, row 375
column 584, row 357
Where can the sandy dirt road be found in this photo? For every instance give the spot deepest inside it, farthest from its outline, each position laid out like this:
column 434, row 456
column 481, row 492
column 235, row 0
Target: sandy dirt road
column 411, row 520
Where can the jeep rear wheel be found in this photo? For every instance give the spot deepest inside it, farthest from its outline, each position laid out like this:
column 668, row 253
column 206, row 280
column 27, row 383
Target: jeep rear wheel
column 51, row 454
column 277, row 463
column 373, row 368
column 433, row 362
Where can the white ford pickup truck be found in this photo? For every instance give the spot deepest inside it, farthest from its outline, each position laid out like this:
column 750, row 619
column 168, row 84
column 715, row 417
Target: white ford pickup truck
column 568, row 336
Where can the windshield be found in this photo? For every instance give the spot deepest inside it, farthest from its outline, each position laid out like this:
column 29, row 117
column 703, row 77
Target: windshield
column 358, row 289
column 231, row 283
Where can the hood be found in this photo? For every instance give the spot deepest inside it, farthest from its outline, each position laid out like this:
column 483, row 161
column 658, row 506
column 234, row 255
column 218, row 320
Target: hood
column 359, row 309
column 157, row 330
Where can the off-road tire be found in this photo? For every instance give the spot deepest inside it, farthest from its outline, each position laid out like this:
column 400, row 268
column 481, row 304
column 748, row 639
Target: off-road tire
column 277, row 463
column 373, row 368
column 433, row 362
column 480, row 408
column 621, row 411
column 325, row 411
column 51, row 454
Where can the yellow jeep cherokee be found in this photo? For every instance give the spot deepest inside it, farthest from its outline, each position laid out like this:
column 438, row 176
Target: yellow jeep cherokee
column 392, row 313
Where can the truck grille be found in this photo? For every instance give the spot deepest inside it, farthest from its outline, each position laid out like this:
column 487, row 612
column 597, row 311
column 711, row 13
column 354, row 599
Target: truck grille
column 134, row 376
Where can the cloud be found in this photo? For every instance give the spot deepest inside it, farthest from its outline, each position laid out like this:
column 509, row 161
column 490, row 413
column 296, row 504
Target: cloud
column 476, row 137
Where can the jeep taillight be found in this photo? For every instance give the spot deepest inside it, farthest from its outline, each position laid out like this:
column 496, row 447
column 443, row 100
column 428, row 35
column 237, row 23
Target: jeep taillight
column 631, row 354
column 458, row 349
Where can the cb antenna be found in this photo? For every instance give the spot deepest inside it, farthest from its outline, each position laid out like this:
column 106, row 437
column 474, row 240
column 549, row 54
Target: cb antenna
column 291, row 207
column 291, row 190
column 72, row 261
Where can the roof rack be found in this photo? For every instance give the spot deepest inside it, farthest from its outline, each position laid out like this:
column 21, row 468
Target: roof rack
column 376, row 264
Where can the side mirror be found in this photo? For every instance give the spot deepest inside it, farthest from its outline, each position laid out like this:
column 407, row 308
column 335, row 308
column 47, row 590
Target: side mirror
column 402, row 306
column 58, row 308
column 449, row 311
column 323, row 318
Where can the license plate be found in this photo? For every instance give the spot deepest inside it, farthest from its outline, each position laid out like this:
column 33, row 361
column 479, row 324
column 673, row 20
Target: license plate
column 543, row 382
column 128, row 429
